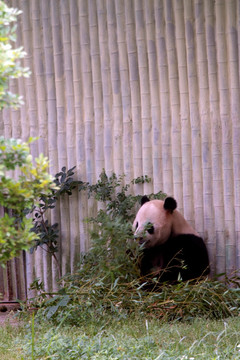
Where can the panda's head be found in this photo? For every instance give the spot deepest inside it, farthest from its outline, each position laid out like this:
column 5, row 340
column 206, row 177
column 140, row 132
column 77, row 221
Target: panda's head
column 154, row 221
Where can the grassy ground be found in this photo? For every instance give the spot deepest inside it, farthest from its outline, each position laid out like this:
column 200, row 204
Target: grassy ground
column 125, row 339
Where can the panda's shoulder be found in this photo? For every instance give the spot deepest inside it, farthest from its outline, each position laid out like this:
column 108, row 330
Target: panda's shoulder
column 185, row 240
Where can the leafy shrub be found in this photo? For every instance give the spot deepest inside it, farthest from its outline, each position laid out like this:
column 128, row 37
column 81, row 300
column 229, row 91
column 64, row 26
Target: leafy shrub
column 48, row 234
column 17, row 197
column 10, row 66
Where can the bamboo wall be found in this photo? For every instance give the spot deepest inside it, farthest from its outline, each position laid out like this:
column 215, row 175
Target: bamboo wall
column 140, row 87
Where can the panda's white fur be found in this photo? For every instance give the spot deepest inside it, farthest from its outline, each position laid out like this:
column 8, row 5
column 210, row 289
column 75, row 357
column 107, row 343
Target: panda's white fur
column 166, row 223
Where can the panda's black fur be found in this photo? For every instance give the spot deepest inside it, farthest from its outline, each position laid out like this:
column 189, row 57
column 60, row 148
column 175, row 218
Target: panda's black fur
column 182, row 256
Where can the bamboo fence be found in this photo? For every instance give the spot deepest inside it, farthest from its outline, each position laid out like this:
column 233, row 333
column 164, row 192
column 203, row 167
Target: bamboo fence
column 138, row 87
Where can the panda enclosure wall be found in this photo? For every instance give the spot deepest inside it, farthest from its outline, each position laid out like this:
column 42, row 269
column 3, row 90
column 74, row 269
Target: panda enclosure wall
column 140, row 87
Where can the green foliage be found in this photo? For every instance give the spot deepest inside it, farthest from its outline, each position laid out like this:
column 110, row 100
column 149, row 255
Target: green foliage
column 48, row 234
column 19, row 196
column 128, row 339
column 10, row 66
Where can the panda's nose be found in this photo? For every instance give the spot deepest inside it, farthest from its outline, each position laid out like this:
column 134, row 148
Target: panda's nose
column 139, row 239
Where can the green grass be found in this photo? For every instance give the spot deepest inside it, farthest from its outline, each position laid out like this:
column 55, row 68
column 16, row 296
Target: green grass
column 129, row 338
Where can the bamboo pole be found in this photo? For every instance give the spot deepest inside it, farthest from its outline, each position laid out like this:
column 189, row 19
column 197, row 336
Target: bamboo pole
column 106, row 85
column 32, row 270
column 174, row 103
column 234, row 180
column 97, row 88
column 135, row 92
column 194, row 118
column 144, row 93
column 61, row 129
column 70, row 133
column 25, row 128
column 13, row 86
column 88, row 100
column 186, row 165
column 216, row 139
column 202, row 67
column 117, row 147
column 227, row 164
column 39, row 74
column 87, row 88
column 125, row 90
column 78, row 106
column 51, row 273
column 237, row 185
column 167, row 173
column 154, row 94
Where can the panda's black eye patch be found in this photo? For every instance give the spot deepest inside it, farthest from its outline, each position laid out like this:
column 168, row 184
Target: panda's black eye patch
column 151, row 230
column 136, row 225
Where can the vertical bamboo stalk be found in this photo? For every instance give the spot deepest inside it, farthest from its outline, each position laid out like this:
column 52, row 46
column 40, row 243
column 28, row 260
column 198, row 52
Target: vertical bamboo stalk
column 167, row 173
column 234, row 181
column 235, row 165
column 39, row 73
column 15, row 113
column 125, row 90
column 186, row 165
column 135, row 91
column 106, row 85
column 25, row 128
column 202, row 65
column 216, row 139
column 144, row 93
column 88, row 102
column 72, row 212
column 70, row 133
column 154, row 94
column 32, row 269
column 116, row 89
column 50, row 275
column 97, row 87
column 194, row 117
column 61, row 129
column 174, row 102
column 227, row 165
column 78, row 105
column 88, row 91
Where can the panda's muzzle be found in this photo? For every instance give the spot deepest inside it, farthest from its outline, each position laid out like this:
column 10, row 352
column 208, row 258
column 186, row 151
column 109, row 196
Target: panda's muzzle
column 140, row 240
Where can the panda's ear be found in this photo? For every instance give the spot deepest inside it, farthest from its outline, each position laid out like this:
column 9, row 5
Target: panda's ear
column 170, row 204
column 144, row 199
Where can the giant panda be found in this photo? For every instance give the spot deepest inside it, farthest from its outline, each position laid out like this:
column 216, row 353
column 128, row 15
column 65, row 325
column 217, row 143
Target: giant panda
column 171, row 248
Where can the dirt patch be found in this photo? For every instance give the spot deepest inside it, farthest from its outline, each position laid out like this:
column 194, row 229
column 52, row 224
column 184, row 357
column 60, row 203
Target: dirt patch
column 9, row 318
column 8, row 314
